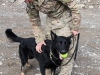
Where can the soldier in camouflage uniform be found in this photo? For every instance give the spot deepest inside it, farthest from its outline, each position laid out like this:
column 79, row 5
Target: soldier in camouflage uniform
column 63, row 17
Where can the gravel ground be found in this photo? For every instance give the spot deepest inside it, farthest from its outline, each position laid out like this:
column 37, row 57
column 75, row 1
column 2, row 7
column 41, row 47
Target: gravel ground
column 13, row 15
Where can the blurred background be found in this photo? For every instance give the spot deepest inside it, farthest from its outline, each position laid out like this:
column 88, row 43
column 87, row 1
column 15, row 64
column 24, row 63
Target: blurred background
column 13, row 15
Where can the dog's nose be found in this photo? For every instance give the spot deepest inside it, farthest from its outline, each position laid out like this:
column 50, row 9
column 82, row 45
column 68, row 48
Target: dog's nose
column 63, row 51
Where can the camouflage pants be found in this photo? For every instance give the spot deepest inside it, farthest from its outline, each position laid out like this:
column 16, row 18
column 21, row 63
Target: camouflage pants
column 61, row 27
column 64, row 30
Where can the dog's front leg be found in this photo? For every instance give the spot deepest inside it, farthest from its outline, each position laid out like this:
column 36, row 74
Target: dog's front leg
column 53, row 72
column 22, row 70
column 48, row 72
column 42, row 69
column 22, row 73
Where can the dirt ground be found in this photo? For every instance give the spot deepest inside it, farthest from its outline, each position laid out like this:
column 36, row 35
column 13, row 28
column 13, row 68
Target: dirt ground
column 13, row 15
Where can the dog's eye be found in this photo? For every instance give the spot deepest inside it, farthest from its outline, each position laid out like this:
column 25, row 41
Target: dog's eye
column 65, row 43
column 60, row 43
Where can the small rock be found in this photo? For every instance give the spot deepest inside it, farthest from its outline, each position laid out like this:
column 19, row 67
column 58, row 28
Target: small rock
column 3, row 4
column 82, row 5
column 38, row 69
column 75, row 65
column 89, row 0
column 11, row 0
column 91, row 6
column 0, row 72
column 37, row 74
column 0, row 63
column 99, row 6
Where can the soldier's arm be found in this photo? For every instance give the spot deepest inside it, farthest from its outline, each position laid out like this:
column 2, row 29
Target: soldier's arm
column 35, row 20
column 75, row 13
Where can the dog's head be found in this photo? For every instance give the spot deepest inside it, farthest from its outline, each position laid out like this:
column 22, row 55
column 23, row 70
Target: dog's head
column 60, row 43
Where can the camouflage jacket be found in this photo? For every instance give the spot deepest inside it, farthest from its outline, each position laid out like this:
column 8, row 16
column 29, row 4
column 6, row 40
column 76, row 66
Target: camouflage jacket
column 54, row 8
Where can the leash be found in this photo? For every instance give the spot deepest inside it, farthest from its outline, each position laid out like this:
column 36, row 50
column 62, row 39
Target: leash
column 76, row 48
column 75, row 51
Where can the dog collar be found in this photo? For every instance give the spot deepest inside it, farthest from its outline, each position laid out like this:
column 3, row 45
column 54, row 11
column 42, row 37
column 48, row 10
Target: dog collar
column 51, row 54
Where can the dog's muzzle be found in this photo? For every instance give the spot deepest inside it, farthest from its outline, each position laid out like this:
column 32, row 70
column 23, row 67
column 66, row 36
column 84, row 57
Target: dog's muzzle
column 63, row 52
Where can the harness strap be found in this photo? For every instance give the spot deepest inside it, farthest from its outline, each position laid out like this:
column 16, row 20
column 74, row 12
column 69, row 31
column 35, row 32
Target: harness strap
column 53, row 61
column 51, row 54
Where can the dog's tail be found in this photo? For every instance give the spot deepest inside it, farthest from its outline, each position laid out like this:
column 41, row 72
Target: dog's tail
column 13, row 36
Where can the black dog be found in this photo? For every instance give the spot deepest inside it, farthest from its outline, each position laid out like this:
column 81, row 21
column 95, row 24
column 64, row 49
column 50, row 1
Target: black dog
column 49, row 58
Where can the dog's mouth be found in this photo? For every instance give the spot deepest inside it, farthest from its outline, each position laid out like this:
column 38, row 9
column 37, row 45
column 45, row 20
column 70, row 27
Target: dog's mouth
column 62, row 56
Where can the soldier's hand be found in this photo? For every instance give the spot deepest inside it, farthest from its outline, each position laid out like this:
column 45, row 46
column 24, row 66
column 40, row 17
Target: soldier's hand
column 39, row 45
column 75, row 33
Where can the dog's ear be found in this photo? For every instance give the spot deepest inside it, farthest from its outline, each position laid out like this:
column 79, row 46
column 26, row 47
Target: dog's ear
column 71, row 36
column 53, row 35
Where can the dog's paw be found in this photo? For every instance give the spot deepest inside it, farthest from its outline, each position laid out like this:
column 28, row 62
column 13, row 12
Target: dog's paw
column 29, row 65
column 22, row 73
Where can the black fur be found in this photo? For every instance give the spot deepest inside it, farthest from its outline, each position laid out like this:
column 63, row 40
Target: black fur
column 58, row 44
